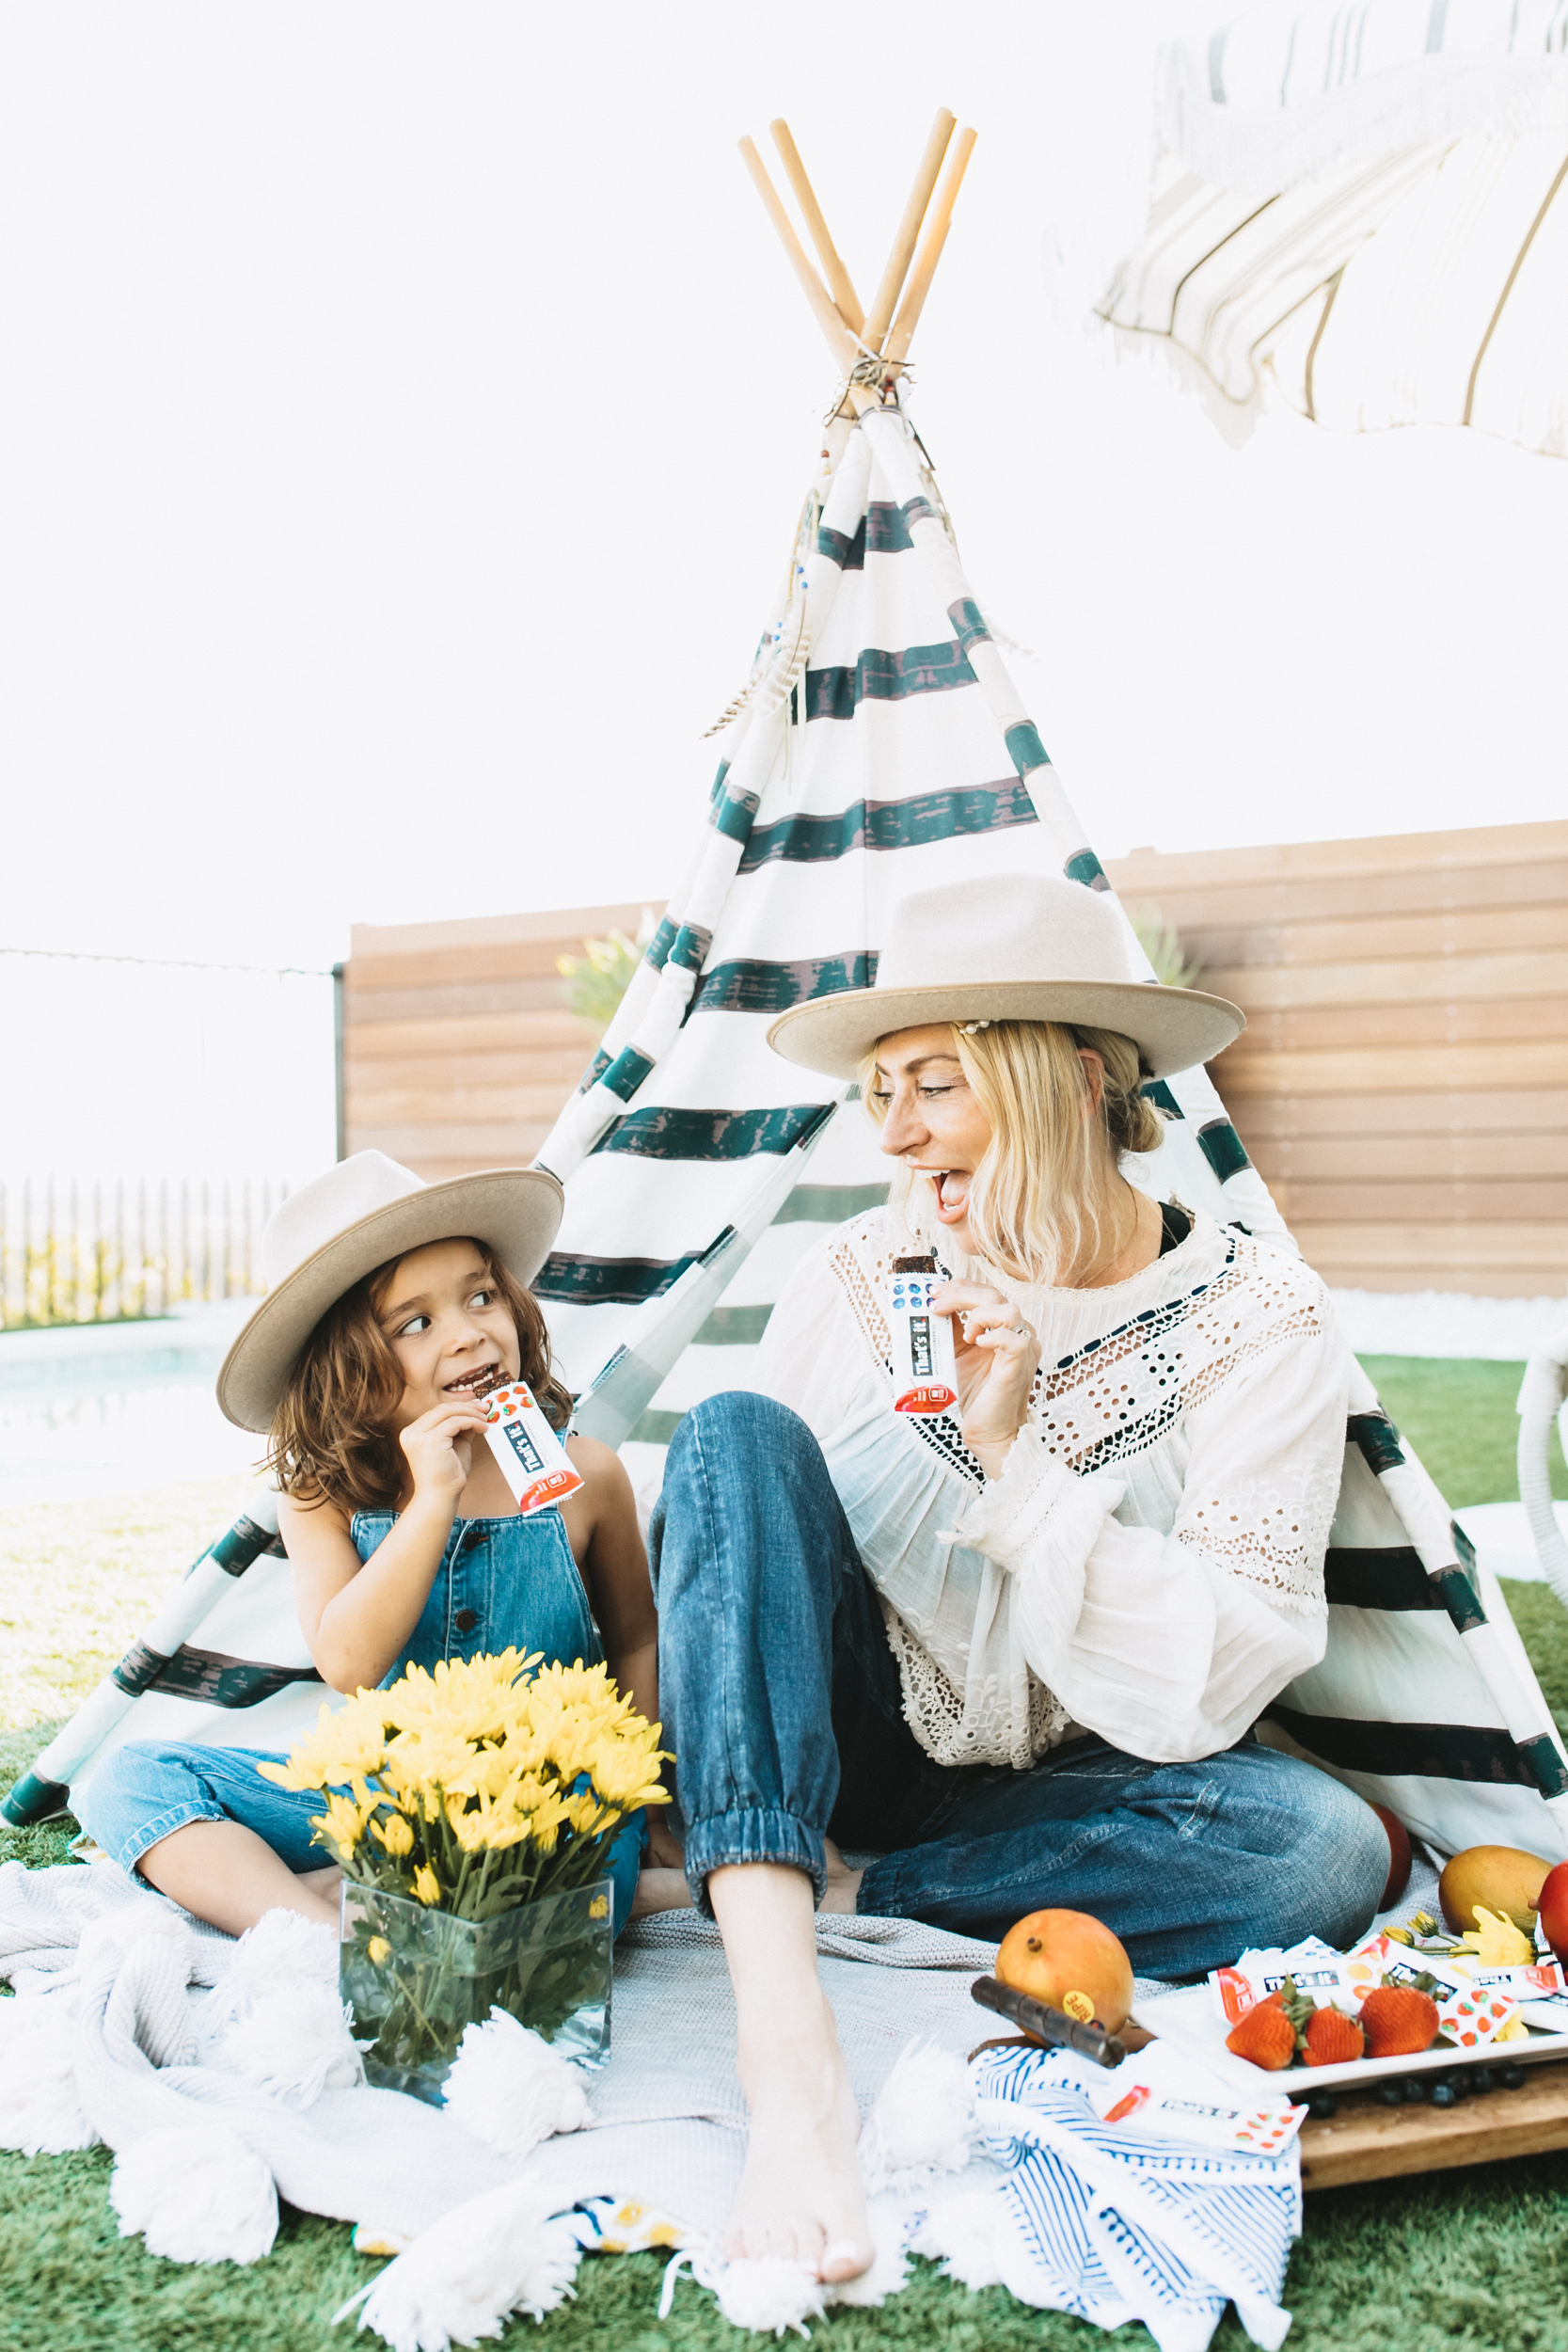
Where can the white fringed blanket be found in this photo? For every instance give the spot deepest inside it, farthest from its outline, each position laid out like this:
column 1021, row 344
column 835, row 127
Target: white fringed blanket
column 224, row 2076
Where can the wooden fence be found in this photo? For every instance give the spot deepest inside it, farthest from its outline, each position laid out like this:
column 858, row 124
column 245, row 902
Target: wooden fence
column 1401, row 1084
column 458, row 1049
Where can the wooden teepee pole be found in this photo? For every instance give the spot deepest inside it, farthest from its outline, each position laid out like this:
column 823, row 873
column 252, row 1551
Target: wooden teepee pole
column 846, row 300
column 880, row 317
column 897, row 345
column 841, row 341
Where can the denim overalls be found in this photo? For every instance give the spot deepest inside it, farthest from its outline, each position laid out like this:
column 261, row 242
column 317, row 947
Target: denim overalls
column 507, row 1583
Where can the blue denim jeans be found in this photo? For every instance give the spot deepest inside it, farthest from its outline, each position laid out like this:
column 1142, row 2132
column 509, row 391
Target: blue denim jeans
column 783, row 1703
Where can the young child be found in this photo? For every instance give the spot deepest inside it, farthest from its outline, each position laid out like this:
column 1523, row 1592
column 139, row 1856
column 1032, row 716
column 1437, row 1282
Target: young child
column 388, row 1301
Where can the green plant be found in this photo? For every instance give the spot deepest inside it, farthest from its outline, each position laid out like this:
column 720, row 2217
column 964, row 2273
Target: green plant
column 599, row 978
column 1162, row 945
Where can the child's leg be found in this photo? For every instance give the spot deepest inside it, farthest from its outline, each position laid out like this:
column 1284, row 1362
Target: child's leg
column 203, row 1827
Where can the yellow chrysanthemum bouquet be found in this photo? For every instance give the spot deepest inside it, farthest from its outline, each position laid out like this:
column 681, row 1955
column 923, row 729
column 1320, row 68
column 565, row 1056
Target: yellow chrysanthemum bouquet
column 472, row 1810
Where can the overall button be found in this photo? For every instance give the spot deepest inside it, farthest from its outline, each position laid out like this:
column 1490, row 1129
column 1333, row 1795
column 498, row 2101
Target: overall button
column 465, row 1621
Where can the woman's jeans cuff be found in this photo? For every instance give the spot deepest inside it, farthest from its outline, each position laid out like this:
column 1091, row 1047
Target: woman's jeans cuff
column 146, row 1835
column 753, row 1833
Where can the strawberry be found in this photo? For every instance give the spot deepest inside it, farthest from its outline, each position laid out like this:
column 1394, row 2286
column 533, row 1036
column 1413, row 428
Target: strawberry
column 1333, row 2039
column 1265, row 2035
column 1398, row 2021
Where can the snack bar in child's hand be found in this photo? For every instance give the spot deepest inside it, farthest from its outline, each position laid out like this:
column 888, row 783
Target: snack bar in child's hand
column 924, row 1369
column 533, row 1462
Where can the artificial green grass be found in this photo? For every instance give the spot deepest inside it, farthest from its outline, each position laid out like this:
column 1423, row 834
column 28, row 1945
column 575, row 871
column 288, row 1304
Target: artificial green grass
column 1474, row 2260
column 1458, row 1413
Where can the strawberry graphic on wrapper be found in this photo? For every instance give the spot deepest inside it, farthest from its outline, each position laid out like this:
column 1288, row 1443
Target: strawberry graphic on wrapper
column 532, row 1460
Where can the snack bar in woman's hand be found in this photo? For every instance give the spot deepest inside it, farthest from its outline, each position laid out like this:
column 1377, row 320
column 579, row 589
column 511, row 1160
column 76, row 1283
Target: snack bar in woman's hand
column 533, row 1462
column 924, row 1372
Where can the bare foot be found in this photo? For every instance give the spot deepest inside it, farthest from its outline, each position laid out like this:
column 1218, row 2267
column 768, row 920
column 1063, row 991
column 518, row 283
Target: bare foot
column 661, row 1890
column 800, row 2195
column 843, row 1883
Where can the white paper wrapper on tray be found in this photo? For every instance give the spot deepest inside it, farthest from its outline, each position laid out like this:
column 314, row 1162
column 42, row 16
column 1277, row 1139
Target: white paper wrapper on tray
column 1317, row 1970
column 1160, row 2091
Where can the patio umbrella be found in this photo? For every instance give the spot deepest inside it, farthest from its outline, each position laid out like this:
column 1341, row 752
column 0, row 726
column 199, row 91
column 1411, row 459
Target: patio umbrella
column 1366, row 208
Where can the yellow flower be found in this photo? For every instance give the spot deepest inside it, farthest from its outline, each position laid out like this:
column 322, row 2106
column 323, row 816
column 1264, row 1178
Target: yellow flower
column 394, row 1834
column 1496, row 1942
column 343, row 1824
column 377, row 1951
column 426, row 1884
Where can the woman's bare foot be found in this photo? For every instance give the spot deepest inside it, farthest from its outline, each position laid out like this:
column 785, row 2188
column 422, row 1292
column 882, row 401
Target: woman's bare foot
column 801, row 2196
column 661, row 1890
column 843, row 1883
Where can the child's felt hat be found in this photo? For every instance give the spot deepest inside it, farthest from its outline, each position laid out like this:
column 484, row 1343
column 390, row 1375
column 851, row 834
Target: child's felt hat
column 361, row 1214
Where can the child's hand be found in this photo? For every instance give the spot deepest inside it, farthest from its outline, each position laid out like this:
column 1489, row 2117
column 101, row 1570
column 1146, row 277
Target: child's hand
column 439, row 1446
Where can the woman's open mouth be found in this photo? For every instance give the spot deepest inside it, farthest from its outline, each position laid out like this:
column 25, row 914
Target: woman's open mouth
column 951, row 1186
column 467, row 1381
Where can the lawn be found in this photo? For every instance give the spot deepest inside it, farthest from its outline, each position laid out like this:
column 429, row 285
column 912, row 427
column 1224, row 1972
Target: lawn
column 1473, row 2259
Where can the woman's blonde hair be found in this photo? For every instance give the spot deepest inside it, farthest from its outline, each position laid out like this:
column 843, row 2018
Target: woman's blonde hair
column 1037, row 1201
column 333, row 1438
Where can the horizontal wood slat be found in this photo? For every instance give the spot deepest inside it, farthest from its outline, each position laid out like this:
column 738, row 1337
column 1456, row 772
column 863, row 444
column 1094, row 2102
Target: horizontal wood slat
column 472, row 1033
column 1402, row 1081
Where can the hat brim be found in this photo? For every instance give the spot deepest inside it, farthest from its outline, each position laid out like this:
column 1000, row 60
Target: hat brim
column 1174, row 1029
column 515, row 1211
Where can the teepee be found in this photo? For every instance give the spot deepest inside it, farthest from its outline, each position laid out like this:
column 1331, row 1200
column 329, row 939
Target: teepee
column 880, row 746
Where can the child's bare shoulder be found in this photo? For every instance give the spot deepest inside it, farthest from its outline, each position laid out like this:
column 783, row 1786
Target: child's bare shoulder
column 305, row 1524
column 603, row 1473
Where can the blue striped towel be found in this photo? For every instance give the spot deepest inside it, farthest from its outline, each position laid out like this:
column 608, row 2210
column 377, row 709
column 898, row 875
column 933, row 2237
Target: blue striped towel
column 1107, row 2222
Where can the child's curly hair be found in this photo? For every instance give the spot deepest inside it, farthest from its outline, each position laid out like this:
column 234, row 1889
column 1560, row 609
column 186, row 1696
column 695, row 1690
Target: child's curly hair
column 332, row 1437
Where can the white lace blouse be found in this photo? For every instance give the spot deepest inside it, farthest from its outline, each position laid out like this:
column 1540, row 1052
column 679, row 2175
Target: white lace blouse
column 1149, row 1566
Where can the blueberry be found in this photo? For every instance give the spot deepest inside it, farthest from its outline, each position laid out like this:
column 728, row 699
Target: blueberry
column 1415, row 2089
column 1482, row 2078
column 1443, row 2095
column 1322, row 2104
column 1512, row 2076
column 1391, row 2094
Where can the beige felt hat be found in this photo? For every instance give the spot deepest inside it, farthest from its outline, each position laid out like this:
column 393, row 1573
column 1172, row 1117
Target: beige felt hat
column 330, row 1234
column 1008, row 947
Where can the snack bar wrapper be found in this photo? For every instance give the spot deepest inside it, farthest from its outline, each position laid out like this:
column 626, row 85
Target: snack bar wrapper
column 1160, row 2091
column 924, row 1372
column 1317, row 1969
column 533, row 1462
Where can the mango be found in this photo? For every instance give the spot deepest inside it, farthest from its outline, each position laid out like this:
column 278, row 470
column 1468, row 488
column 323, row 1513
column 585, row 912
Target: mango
column 1070, row 1961
column 1499, row 1878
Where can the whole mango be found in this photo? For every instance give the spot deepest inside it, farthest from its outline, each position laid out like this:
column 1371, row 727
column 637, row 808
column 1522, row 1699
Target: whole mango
column 1398, row 1856
column 1554, row 1909
column 1499, row 1878
column 1070, row 1962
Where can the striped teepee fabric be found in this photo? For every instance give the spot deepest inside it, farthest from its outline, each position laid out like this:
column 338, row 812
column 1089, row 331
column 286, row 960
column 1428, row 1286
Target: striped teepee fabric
column 882, row 748
column 1368, row 207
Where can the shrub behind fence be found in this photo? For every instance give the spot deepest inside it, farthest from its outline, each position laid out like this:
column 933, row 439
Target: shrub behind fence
column 103, row 1249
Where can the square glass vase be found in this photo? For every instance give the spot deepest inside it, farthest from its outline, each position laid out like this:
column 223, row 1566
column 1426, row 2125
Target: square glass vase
column 416, row 1978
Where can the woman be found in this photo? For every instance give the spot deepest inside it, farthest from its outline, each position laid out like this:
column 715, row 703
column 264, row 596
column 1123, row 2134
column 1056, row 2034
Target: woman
column 1017, row 1654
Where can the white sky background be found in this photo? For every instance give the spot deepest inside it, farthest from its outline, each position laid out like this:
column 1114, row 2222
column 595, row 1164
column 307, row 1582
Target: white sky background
column 405, row 414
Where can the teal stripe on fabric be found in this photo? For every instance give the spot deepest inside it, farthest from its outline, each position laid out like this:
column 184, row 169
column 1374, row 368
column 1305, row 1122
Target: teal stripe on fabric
column 662, row 941
column 882, row 529
column 879, row 825
column 732, row 1326
column 32, row 1800
column 595, row 1070
column 880, row 676
column 210, row 1677
column 750, row 985
column 733, row 815
column 830, row 1204
column 1460, row 1598
column 1462, row 1544
column 1378, row 1440
column 918, row 510
column 138, row 1670
column 968, row 622
column 1085, row 868
column 587, row 1281
column 653, row 1427
column 663, row 1132
column 1157, row 1092
column 627, row 1071
column 1388, row 1577
column 239, row 1545
column 1223, row 1148
column 718, row 785
column 689, row 950
column 1545, row 1765
column 1024, row 748
column 1423, row 1751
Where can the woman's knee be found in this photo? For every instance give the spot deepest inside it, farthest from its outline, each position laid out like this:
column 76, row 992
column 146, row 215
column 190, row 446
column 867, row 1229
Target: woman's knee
column 1329, row 1879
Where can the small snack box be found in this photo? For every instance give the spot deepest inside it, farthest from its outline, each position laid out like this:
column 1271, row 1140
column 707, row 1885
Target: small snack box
column 533, row 1462
column 925, row 1370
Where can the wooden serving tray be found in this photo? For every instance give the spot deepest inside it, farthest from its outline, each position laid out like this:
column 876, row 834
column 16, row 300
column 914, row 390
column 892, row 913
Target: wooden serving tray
column 1368, row 2141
